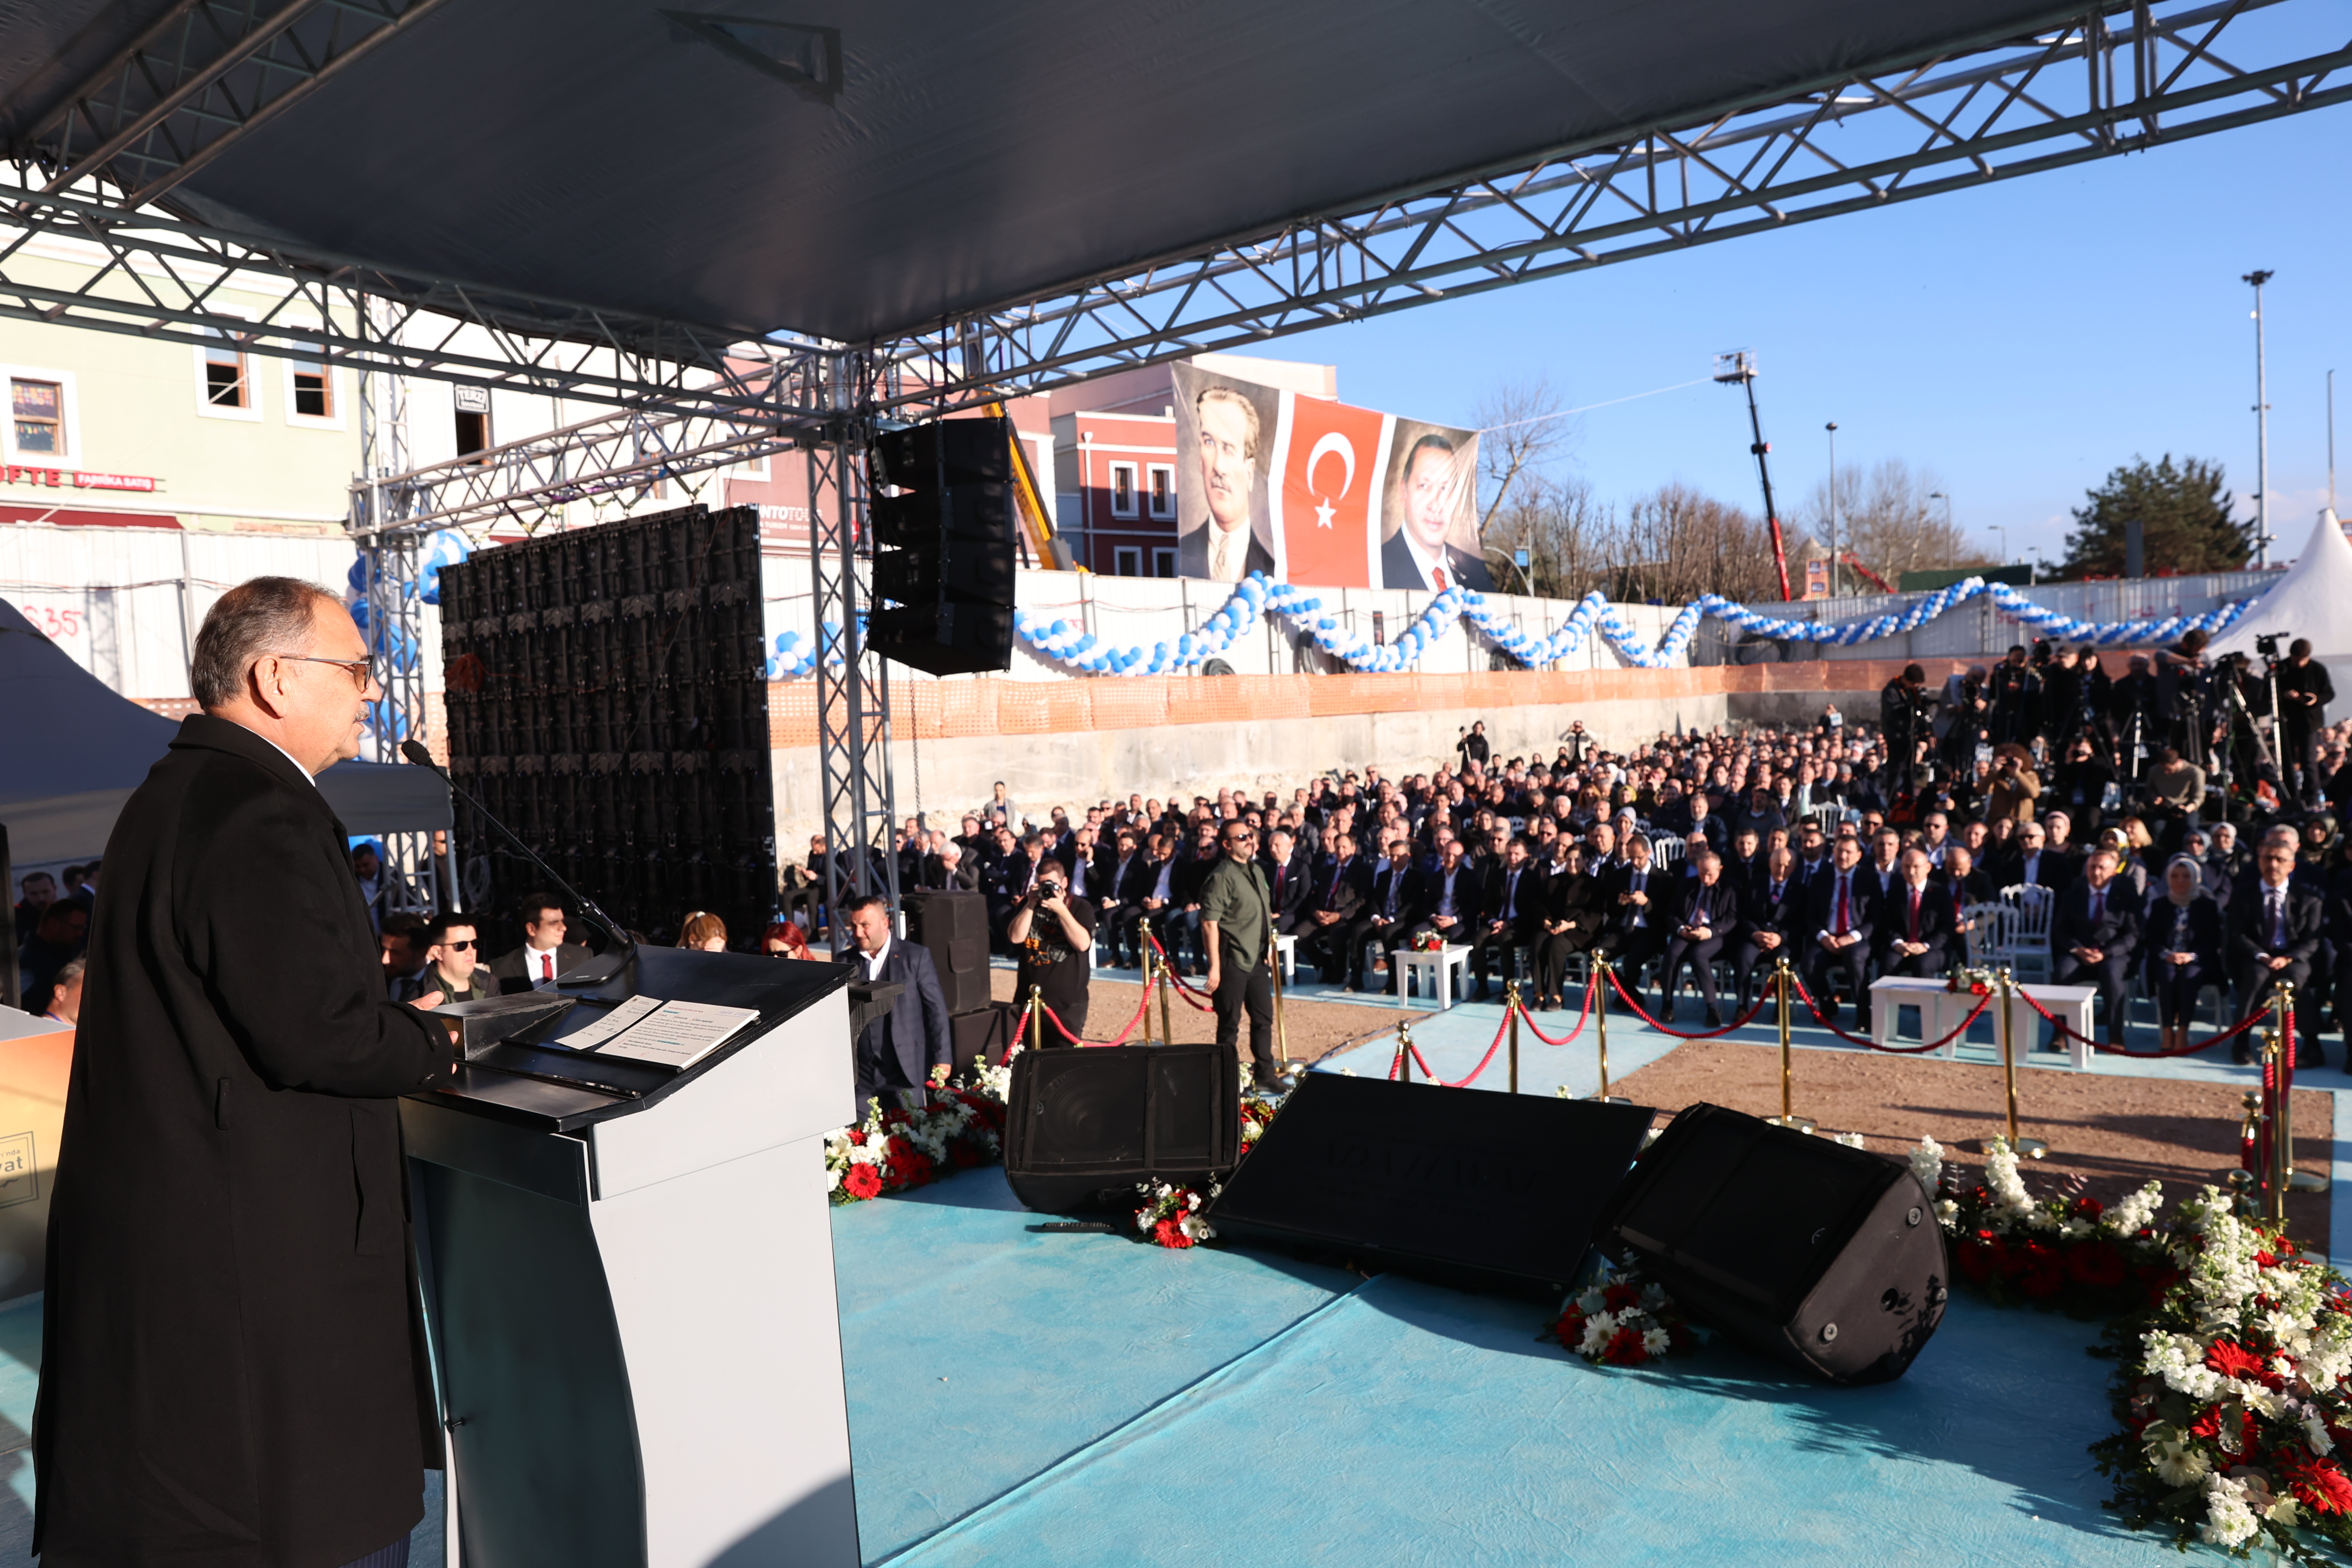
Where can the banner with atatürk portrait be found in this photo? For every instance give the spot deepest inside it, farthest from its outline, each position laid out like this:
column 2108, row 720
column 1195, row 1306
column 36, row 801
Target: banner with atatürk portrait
column 1319, row 493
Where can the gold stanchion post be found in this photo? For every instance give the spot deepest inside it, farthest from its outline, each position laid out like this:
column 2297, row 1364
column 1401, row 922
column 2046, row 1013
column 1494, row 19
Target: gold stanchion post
column 2032, row 1148
column 1036, row 1019
column 1788, row 1117
column 1601, row 973
column 1167, row 983
column 1511, row 1012
column 2296, row 1180
column 1404, row 1053
column 1145, row 1021
column 1281, row 1035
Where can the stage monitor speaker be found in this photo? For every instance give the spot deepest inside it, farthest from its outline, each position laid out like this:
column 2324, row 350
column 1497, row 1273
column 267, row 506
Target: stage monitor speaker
column 944, row 546
column 1469, row 1188
column 953, row 928
column 1083, row 1127
column 983, row 1032
column 1798, row 1245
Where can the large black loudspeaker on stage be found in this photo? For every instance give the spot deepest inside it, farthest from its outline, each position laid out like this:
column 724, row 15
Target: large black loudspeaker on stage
column 1472, row 1188
column 1805, row 1249
column 944, row 546
column 1083, row 1125
column 953, row 927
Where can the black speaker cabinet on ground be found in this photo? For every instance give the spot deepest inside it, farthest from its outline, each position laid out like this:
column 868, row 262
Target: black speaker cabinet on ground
column 1083, row 1127
column 1469, row 1187
column 1802, row 1248
column 983, row 1032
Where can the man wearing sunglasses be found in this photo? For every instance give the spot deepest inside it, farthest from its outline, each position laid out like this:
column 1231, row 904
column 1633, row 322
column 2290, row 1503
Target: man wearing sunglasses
column 1237, row 929
column 453, row 961
column 231, row 1366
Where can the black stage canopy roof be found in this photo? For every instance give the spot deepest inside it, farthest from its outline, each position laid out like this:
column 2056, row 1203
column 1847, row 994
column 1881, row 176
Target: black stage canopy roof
column 854, row 172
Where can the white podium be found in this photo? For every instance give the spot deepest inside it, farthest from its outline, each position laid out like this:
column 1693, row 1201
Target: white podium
column 630, row 1295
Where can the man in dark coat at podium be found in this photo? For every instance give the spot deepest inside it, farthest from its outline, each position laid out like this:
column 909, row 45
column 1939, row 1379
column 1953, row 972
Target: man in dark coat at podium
column 898, row 1050
column 233, row 1370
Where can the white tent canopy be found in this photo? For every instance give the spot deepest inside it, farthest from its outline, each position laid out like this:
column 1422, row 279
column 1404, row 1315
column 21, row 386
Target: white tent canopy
column 2313, row 599
column 77, row 750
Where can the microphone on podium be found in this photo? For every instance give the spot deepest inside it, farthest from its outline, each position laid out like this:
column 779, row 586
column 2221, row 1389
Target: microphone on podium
column 620, row 957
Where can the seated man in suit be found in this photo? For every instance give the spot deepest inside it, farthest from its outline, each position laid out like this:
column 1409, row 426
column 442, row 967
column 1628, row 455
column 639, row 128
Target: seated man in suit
column 1771, row 921
column 2275, row 926
column 2094, row 935
column 896, row 1053
column 1511, row 906
column 545, row 955
column 1917, row 934
column 1393, row 908
column 1335, row 901
column 1450, row 905
column 1706, row 915
column 2032, row 864
column 1841, row 919
column 1287, row 881
column 1633, row 905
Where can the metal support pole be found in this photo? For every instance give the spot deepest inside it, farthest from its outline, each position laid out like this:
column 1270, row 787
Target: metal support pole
column 1281, row 1035
column 2283, row 1137
column 1036, row 1019
column 1601, row 973
column 1147, row 961
column 1511, row 1013
column 2032, row 1148
column 1167, row 1021
column 1404, row 1053
column 2261, row 429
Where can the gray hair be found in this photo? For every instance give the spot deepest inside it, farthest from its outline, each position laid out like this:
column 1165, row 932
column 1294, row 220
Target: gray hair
column 260, row 616
column 69, row 972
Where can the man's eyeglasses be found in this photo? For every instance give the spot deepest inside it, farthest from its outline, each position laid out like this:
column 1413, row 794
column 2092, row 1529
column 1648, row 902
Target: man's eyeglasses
column 465, row 946
column 360, row 671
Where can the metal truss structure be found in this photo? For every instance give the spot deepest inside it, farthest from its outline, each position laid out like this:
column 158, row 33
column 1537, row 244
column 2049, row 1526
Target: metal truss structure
column 690, row 399
column 2121, row 78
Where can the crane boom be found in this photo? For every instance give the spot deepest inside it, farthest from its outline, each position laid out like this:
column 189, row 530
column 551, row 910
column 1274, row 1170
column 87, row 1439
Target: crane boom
column 1740, row 367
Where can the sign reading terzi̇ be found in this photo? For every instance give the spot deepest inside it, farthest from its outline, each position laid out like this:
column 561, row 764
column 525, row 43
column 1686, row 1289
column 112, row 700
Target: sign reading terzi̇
column 1318, row 493
column 19, row 474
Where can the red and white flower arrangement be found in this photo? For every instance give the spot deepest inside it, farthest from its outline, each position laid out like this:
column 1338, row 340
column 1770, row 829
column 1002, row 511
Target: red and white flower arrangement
column 1623, row 1320
column 893, row 1150
column 2064, row 1250
column 1170, row 1215
column 2231, row 1393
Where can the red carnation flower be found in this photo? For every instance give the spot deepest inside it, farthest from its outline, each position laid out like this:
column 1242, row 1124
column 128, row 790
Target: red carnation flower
column 2208, row 1425
column 1625, row 1349
column 2232, row 1359
column 1170, row 1232
column 1618, row 1297
column 862, row 1182
column 2089, row 1208
column 2096, row 1263
column 2319, row 1484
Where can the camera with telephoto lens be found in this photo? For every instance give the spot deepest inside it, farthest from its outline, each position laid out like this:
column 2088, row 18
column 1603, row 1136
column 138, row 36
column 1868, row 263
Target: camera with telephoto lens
column 2267, row 645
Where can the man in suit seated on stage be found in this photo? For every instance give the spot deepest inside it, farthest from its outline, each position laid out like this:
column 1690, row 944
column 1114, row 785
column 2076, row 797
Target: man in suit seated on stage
column 1841, row 919
column 1342, row 885
column 545, row 955
column 895, row 1054
column 2094, row 935
column 1286, row 880
column 1417, row 555
column 1634, row 907
column 1512, row 905
column 1918, row 929
column 2032, row 863
column 1707, row 915
column 1771, row 921
column 2275, row 927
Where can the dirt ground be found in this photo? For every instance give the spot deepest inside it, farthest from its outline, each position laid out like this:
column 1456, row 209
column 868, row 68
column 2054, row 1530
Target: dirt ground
column 1314, row 1030
column 2116, row 1133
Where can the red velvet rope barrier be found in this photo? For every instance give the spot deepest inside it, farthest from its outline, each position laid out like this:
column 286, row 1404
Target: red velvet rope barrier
column 1592, row 983
column 1196, row 1000
column 1124, row 1034
column 2068, row 1031
column 1921, row 1050
column 1500, row 1032
column 1631, row 1001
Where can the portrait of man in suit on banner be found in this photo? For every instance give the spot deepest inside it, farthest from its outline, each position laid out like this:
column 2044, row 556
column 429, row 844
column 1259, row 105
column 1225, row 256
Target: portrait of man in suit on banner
column 1429, row 516
column 1223, row 432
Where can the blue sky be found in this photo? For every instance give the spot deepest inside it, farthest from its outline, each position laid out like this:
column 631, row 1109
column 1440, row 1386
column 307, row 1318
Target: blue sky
column 2019, row 340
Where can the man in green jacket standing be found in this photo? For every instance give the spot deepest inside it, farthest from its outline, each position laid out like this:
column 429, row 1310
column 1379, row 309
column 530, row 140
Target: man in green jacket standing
column 1237, row 928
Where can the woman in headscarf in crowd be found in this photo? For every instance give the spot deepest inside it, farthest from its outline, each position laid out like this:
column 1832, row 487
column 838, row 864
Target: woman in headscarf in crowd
column 2182, row 932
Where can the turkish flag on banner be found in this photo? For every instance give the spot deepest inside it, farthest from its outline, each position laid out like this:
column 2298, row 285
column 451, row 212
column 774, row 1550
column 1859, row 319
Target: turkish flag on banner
column 1333, row 460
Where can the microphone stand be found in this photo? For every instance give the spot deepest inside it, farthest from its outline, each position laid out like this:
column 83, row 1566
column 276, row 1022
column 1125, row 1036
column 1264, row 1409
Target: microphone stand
column 620, row 959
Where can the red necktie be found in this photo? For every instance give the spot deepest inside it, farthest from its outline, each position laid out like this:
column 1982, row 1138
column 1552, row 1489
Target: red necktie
column 1915, row 915
column 1437, row 575
column 547, row 966
column 1841, row 909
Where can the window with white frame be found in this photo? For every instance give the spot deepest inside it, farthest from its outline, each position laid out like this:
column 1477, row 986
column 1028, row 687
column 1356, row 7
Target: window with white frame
column 1127, row 561
column 1122, row 490
column 1163, row 561
column 310, row 390
column 473, row 416
column 38, row 408
column 226, row 373
column 1162, row 491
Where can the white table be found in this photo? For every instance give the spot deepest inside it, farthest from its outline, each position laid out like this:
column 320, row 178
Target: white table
column 1941, row 1010
column 1436, row 972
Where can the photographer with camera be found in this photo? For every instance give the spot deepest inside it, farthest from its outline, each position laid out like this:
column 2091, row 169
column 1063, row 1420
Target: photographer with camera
column 1052, row 932
column 2305, row 692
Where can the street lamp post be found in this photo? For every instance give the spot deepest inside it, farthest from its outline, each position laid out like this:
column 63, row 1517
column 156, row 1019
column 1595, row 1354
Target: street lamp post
column 2261, row 429
column 1832, row 427
column 2003, row 531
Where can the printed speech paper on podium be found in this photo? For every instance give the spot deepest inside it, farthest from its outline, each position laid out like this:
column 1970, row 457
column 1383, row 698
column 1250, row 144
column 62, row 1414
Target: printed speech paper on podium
column 596, row 1031
column 680, row 1034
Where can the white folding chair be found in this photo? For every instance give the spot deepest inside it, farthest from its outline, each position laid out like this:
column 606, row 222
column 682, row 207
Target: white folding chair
column 2029, row 942
column 1993, row 930
column 1666, row 850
